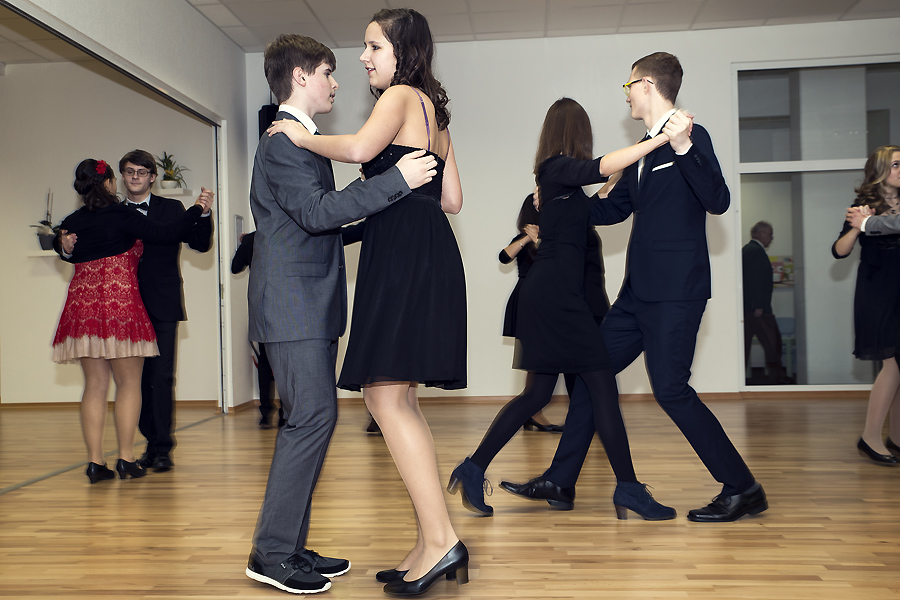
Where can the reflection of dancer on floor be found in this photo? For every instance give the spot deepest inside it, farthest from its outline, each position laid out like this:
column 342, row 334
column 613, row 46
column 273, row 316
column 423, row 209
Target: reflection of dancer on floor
column 556, row 328
column 409, row 311
column 877, row 300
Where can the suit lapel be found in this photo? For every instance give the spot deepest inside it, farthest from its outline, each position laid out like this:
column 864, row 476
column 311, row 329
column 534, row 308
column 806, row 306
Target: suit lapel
column 327, row 162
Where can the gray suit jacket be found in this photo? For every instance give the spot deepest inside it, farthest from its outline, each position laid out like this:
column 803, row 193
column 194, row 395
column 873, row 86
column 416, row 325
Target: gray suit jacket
column 883, row 225
column 298, row 288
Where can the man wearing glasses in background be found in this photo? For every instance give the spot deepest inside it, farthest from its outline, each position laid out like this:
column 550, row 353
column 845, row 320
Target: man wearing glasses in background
column 667, row 283
column 159, row 279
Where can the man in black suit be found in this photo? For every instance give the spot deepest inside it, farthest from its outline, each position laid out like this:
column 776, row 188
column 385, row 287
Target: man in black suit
column 667, row 284
column 159, row 279
column 759, row 320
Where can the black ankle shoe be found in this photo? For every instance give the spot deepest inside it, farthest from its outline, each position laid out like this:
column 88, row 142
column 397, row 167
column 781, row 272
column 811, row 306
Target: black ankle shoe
column 635, row 496
column 390, row 575
column 455, row 565
column 129, row 468
column 532, row 425
column 471, row 479
column 541, row 489
column 885, row 460
column 97, row 472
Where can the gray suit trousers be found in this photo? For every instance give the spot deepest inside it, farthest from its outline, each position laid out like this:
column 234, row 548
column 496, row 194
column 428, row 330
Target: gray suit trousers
column 304, row 372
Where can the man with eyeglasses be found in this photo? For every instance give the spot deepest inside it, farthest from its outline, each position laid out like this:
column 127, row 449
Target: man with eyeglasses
column 667, row 284
column 159, row 279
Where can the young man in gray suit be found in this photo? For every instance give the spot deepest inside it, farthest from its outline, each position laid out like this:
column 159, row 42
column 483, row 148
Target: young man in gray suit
column 298, row 301
column 869, row 223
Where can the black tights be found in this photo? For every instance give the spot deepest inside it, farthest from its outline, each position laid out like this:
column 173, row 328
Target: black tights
column 537, row 394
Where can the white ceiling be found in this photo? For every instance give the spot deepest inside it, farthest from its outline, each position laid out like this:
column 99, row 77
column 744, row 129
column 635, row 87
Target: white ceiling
column 341, row 23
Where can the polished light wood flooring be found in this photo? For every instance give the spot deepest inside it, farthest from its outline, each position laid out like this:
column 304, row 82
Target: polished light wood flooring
column 832, row 530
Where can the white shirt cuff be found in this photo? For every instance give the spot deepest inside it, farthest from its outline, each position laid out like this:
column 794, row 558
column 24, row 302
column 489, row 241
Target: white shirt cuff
column 863, row 226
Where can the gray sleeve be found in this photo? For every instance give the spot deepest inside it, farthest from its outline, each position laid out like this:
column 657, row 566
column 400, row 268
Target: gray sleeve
column 882, row 225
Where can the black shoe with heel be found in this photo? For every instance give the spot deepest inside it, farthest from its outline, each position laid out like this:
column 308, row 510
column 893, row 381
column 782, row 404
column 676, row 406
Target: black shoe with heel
column 532, row 425
column 129, row 468
column 97, row 472
column 892, row 447
column 390, row 575
column 885, row 460
column 635, row 496
column 454, row 565
column 471, row 479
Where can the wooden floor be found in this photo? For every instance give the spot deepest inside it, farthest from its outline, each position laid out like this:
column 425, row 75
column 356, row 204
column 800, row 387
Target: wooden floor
column 832, row 532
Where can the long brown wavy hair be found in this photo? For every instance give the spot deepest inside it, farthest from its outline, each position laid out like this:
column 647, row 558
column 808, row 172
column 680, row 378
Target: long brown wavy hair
column 409, row 34
column 872, row 191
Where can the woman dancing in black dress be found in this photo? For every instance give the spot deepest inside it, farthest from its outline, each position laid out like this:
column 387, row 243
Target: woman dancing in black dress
column 409, row 311
column 877, row 302
column 557, row 331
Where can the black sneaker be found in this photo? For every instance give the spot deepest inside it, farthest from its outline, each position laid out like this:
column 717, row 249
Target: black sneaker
column 295, row 574
column 329, row 567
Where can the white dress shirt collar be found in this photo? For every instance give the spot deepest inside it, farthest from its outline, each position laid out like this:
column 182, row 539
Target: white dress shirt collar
column 304, row 119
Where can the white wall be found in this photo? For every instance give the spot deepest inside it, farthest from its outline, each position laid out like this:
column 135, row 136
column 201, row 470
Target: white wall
column 499, row 94
column 170, row 45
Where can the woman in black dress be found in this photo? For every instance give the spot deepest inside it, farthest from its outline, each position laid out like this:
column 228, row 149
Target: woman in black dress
column 409, row 310
column 877, row 302
column 557, row 330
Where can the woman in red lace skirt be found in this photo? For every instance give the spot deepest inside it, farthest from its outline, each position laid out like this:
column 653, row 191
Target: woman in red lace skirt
column 104, row 325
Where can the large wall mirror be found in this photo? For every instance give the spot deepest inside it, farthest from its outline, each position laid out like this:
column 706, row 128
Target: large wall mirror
column 805, row 134
column 59, row 105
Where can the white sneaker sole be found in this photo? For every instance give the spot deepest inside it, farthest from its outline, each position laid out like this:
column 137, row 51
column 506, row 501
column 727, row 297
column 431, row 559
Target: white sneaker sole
column 263, row 579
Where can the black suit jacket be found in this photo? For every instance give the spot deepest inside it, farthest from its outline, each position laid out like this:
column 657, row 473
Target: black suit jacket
column 668, row 256
column 757, row 270
column 159, row 274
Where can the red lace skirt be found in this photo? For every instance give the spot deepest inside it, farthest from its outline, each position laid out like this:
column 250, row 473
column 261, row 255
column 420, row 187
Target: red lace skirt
column 104, row 316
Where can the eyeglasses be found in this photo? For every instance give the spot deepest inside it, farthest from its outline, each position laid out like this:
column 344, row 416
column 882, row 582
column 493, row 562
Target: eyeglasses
column 627, row 87
column 139, row 172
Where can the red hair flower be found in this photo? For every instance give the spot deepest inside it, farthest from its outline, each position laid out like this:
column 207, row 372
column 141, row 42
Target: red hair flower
column 101, row 167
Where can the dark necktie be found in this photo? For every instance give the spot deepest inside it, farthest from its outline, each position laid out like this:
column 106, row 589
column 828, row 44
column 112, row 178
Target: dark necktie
column 641, row 161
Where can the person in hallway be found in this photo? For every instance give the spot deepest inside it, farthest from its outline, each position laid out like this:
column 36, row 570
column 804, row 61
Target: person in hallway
column 759, row 320
column 104, row 325
column 243, row 257
column 159, row 278
column 298, row 301
column 662, row 299
column 555, row 326
column 876, row 304
column 409, row 310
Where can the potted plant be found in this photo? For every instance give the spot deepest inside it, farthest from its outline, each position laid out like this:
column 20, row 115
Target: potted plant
column 46, row 231
column 172, row 171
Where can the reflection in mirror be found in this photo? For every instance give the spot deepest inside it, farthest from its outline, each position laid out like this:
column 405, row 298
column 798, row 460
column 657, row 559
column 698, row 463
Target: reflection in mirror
column 816, row 126
column 58, row 106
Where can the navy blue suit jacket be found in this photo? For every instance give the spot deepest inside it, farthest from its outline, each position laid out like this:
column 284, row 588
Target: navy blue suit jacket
column 668, row 257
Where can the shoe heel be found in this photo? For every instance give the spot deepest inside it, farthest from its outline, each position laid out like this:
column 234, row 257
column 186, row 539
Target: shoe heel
column 621, row 513
column 461, row 575
column 561, row 505
column 453, row 486
column 530, row 425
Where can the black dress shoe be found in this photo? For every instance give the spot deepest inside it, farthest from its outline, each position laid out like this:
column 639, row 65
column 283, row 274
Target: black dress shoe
column 724, row 509
column 146, row 460
column 541, row 489
column 129, row 468
column 162, row 463
column 885, row 460
column 455, row 565
column 390, row 575
column 532, row 425
column 97, row 472
column 892, row 446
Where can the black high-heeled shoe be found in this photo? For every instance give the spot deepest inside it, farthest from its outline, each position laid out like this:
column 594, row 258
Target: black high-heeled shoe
column 892, row 447
column 129, row 468
column 470, row 478
column 455, row 565
column 390, row 575
column 885, row 460
column 532, row 425
column 97, row 472
column 635, row 496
